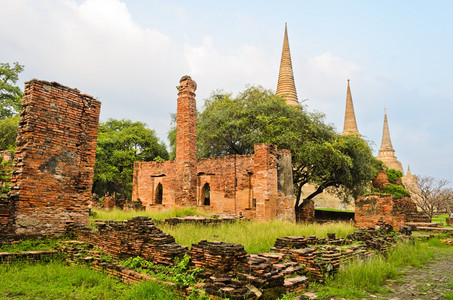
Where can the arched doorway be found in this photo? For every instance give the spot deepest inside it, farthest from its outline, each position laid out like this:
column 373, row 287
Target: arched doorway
column 206, row 194
column 159, row 194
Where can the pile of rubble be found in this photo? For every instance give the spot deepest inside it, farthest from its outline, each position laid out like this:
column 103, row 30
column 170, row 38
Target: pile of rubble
column 284, row 244
column 217, row 257
column 79, row 252
column 231, row 272
column 227, row 269
column 135, row 237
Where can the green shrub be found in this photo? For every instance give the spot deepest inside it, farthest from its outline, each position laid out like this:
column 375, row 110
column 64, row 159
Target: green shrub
column 5, row 176
column 397, row 191
column 393, row 175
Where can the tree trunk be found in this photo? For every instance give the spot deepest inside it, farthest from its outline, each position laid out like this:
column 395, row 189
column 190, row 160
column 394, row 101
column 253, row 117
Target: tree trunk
column 306, row 211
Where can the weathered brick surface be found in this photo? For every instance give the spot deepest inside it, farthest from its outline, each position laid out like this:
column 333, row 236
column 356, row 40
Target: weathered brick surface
column 135, row 237
column 371, row 209
column 258, row 186
column 6, row 217
column 396, row 212
column 186, row 141
column 54, row 161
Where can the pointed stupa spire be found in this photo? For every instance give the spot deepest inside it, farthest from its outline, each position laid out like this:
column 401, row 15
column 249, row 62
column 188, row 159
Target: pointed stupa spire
column 386, row 152
column 350, row 124
column 386, row 144
column 408, row 171
column 285, row 86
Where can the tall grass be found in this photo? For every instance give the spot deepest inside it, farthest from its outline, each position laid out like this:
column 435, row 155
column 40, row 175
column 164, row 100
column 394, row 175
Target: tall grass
column 56, row 280
column 28, row 245
column 256, row 237
column 119, row 214
column 360, row 277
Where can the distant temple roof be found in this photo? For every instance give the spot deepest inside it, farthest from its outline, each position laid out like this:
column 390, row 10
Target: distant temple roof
column 350, row 124
column 285, row 86
column 386, row 152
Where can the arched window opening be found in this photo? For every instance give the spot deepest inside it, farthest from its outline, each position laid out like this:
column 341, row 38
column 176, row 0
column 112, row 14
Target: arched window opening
column 206, row 194
column 159, row 194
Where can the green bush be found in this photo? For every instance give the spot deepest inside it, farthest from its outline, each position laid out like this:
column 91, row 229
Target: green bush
column 393, row 175
column 397, row 191
column 5, row 176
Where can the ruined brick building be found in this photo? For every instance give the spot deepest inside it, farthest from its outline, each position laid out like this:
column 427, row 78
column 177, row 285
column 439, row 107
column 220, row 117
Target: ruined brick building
column 258, row 186
column 54, row 161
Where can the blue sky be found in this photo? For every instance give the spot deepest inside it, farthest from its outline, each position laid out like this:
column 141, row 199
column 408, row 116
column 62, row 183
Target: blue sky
column 131, row 54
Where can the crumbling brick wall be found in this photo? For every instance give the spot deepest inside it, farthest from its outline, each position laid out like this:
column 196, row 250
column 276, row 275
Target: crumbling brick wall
column 54, row 163
column 396, row 212
column 369, row 210
column 258, row 186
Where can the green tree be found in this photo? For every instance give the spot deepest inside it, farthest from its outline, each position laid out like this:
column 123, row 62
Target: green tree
column 8, row 133
column 10, row 94
column 121, row 143
column 320, row 156
column 10, row 104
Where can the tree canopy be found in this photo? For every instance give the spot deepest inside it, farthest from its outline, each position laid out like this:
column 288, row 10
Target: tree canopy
column 320, row 156
column 120, row 143
column 10, row 104
column 10, row 94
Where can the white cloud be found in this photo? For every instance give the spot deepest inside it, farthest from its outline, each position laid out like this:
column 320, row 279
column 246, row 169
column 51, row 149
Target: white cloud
column 96, row 47
column 228, row 69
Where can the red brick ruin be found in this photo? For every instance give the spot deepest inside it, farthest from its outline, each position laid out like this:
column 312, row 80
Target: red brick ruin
column 257, row 186
column 54, row 161
column 371, row 209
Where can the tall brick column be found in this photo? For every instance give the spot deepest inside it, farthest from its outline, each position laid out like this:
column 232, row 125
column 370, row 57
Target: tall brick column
column 55, row 154
column 186, row 143
column 265, row 182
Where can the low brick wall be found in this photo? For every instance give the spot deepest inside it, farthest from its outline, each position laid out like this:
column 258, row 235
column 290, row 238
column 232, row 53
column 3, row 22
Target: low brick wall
column 135, row 237
column 227, row 269
column 28, row 255
column 79, row 252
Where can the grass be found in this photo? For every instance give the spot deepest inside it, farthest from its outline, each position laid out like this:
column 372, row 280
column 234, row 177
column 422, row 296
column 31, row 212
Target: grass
column 441, row 219
column 119, row 214
column 256, row 237
column 361, row 277
column 29, row 245
column 56, row 280
column 335, row 209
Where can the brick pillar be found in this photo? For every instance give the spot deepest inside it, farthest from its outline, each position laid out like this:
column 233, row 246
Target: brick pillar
column 186, row 143
column 55, row 154
column 265, row 181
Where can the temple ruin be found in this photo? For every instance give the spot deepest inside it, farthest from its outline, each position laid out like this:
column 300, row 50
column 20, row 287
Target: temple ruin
column 54, row 161
column 257, row 186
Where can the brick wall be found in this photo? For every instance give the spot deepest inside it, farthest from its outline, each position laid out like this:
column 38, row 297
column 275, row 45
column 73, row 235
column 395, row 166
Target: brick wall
column 255, row 186
column 369, row 210
column 54, row 161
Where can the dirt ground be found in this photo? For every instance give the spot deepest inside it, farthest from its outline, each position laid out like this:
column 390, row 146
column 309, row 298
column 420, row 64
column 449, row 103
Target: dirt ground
column 430, row 282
